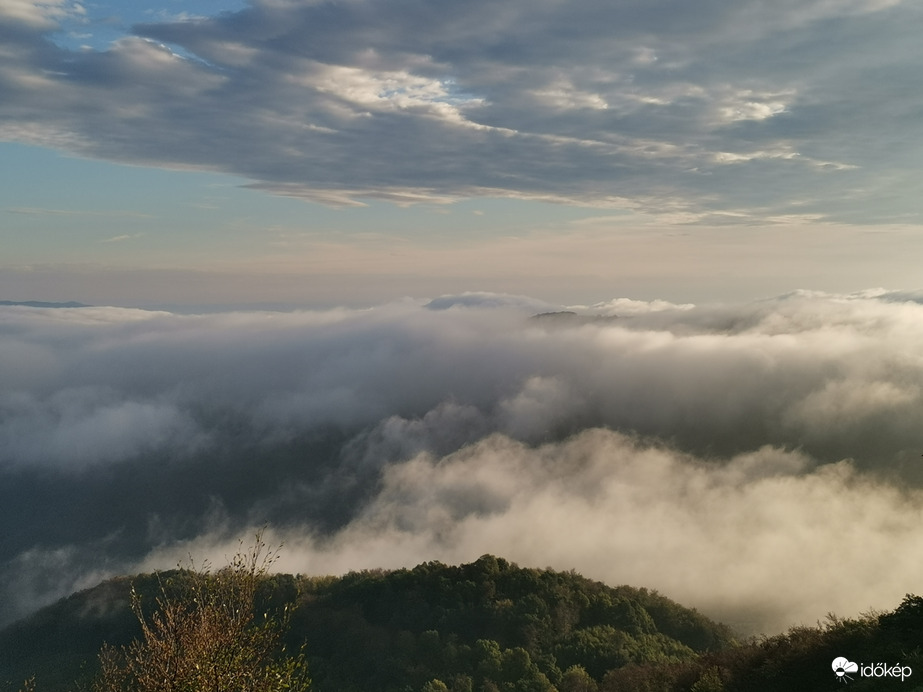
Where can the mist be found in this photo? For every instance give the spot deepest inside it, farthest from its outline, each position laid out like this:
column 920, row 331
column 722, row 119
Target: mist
column 760, row 462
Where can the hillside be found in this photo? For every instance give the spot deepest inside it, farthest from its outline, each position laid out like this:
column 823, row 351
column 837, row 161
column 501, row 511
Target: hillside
column 485, row 622
column 488, row 626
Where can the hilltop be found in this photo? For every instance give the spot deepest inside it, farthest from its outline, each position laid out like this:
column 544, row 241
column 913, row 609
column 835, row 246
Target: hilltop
column 487, row 621
column 486, row 626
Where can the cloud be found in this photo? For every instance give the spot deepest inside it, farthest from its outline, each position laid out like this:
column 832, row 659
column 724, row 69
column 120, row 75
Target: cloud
column 81, row 426
column 43, row 15
column 120, row 238
column 760, row 540
column 735, row 106
column 484, row 299
column 701, row 450
column 627, row 306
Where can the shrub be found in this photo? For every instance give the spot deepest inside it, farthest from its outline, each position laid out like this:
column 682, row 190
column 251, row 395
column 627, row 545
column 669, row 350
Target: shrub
column 203, row 635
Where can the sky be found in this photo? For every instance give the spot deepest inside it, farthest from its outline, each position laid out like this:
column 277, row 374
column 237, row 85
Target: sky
column 340, row 153
column 313, row 238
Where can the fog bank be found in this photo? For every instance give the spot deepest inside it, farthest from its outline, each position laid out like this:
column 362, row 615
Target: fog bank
column 760, row 462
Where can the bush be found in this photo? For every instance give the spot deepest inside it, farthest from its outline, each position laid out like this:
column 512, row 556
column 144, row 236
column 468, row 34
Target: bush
column 203, row 635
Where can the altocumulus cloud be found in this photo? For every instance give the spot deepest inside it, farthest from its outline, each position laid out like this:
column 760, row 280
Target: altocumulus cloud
column 728, row 110
column 711, row 452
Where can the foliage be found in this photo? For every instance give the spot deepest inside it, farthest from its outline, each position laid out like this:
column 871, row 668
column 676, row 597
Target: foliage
column 796, row 660
column 486, row 625
column 204, row 635
column 576, row 679
column 710, row 681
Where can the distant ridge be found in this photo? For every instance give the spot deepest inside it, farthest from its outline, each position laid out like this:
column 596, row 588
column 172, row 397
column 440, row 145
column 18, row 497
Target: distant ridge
column 42, row 304
column 569, row 317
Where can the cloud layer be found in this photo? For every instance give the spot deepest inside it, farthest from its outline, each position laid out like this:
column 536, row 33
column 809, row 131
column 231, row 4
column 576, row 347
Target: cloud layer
column 725, row 111
column 759, row 461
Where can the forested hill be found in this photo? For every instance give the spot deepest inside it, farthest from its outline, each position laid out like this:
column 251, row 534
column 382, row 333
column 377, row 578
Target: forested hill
column 485, row 625
column 488, row 626
column 488, row 621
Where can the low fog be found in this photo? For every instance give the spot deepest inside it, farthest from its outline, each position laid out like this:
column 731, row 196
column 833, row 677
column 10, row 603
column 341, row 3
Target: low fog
column 761, row 462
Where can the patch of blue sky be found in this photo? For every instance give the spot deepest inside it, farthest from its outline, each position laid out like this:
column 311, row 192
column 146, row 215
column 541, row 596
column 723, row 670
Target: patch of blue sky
column 101, row 23
column 457, row 96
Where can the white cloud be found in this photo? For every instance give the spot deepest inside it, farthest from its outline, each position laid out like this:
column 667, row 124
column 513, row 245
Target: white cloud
column 386, row 90
column 760, row 540
column 562, row 94
column 627, row 306
column 700, row 450
column 748, row 105
column 759, row 534
column 79, row 428
column 39, row 15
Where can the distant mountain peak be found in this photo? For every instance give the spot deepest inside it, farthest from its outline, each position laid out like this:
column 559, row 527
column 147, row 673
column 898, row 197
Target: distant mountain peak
column 43, row 304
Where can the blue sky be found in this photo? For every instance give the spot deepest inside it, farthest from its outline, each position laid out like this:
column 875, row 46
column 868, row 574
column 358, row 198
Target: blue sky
column 320, row 153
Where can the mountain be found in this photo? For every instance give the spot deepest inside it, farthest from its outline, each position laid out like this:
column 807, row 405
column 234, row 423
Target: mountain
column 41, row 304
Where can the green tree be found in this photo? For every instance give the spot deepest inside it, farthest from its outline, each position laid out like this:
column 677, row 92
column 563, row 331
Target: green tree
column 204, row 635
column 576, row 679
column 435, row 685
column 710, row 681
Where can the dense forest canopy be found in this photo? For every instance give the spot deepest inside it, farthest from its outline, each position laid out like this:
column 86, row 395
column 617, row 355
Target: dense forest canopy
column 480, row 627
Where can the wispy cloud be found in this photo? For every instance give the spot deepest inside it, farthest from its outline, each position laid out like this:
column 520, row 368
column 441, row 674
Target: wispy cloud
column 43, row 211
column 121, row 238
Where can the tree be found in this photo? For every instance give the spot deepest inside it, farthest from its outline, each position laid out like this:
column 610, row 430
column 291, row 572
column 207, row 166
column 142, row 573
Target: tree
column 203, row 635
column 576, row 679
column 710, row 681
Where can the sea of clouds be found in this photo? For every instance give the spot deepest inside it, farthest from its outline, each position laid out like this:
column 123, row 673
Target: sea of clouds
column 761, row 462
